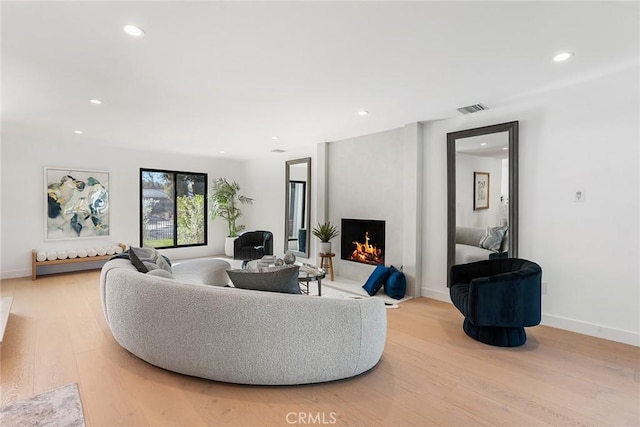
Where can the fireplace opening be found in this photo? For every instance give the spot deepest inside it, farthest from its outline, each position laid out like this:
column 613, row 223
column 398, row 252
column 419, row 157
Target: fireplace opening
column 363, row 241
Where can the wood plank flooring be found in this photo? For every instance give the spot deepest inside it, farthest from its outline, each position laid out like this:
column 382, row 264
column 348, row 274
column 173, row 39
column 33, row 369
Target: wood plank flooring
column 431, row 373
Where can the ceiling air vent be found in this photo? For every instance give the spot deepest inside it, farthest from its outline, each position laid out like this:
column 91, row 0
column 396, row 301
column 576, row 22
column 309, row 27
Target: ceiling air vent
column 473, row 108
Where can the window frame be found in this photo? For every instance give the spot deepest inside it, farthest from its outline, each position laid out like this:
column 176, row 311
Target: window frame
column 175, row 174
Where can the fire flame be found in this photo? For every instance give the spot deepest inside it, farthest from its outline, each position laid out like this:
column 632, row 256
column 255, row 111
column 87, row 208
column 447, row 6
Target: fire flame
column 366, row 252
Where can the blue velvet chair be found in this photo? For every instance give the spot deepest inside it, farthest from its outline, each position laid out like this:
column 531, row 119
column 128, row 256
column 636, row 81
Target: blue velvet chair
column 498, row 298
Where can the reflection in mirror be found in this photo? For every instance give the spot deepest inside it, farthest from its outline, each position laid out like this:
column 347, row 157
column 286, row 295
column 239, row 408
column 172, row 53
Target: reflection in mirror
column 297, row 211
column 482, row 193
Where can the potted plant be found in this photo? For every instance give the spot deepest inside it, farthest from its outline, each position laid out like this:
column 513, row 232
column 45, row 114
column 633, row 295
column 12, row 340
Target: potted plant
column 225, row 203
column 325, row 232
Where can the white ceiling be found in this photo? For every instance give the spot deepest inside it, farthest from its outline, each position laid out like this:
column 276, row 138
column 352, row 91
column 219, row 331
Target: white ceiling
column 227, row 76
column 489, row 145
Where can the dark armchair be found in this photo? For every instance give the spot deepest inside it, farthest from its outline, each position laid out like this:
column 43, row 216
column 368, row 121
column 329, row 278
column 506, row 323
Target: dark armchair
column 498, row 298
column 253, row 245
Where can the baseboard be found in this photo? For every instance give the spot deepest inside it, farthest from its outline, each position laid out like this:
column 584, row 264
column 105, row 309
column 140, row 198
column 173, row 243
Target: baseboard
column 564, row 323
column 591, row 329
column 437, row 295
column 13, row 274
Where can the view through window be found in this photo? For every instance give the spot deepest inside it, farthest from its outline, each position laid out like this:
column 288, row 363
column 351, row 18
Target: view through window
column 173, row 208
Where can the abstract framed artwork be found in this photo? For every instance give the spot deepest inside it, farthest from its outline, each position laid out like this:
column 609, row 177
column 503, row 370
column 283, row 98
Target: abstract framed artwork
column 76, row 203
column 480, row 190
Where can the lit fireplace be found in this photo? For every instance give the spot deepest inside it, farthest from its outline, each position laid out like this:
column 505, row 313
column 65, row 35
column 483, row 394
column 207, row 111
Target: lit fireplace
column 363, row 241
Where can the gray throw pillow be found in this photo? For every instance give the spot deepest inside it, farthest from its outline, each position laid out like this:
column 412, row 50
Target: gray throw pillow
column 150, row 258
column 275, row 279
column 492, row 239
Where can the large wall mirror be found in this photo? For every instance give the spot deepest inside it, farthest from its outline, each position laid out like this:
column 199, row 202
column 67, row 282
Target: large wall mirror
column 482, row 184
column 297, row 207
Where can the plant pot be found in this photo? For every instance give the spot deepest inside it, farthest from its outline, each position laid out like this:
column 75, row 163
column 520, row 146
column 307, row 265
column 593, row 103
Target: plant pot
column 228, row 246
column 325, row 247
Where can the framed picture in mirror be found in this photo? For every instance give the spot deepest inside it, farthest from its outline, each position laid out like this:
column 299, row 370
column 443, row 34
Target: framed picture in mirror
column 480, row 190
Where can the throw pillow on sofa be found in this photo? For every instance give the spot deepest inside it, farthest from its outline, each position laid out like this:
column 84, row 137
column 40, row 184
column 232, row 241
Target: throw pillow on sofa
column 376, row 279
column 146, row 259
column 492, row 239
column 396, row 284
column 276, row 279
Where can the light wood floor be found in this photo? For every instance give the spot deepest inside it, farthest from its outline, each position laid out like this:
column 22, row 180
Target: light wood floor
column 431, row 373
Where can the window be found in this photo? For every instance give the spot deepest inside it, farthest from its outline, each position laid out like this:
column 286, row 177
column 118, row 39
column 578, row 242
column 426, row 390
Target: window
column 173, row 208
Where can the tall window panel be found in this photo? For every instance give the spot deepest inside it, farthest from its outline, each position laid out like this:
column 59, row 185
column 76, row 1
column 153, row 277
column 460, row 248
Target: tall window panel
column 173, row 208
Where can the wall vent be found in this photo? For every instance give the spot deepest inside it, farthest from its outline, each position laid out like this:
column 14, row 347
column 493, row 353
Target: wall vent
column 473, row 108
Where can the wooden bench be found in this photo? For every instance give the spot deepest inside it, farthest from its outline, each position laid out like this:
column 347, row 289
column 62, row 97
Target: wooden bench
column 35, row 263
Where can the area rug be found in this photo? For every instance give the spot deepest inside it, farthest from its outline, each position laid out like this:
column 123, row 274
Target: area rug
column 59, row 407
column 330, row 292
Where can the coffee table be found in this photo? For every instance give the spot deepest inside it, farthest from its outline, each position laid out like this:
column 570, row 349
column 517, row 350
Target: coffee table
column 309, row 273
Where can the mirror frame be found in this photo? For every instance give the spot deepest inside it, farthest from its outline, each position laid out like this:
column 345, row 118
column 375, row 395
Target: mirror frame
column 288, row 164
column 512, row 130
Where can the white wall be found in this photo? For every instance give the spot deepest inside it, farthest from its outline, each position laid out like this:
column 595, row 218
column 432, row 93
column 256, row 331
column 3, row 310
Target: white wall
column 365, row 182
column 378, row 177
column 23, row 195
column 265, row 182
column 583, row 137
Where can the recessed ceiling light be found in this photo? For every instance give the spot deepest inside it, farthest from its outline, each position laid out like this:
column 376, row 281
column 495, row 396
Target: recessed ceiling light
column 483, row 143
column 222, row 152
column 562, row 56
column 274, row 137
column 134, row 31
column 77, row 132
column 505, row 148
column 277, row 150
column 363, row 112
column 95, row 101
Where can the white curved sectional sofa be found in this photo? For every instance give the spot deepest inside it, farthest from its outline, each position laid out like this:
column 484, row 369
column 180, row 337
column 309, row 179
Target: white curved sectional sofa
column 237, row 335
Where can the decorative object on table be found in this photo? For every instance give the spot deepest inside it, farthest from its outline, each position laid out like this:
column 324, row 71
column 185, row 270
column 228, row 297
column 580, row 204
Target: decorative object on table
column 279, row 262
column 325, row 232
column 480, row 190
column 266, row 261
column 289, row 258
column 225, row 202
column 77, row 204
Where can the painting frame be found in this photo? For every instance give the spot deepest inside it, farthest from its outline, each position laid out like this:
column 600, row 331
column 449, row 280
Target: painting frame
column 76, row 203
column 481, row 188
